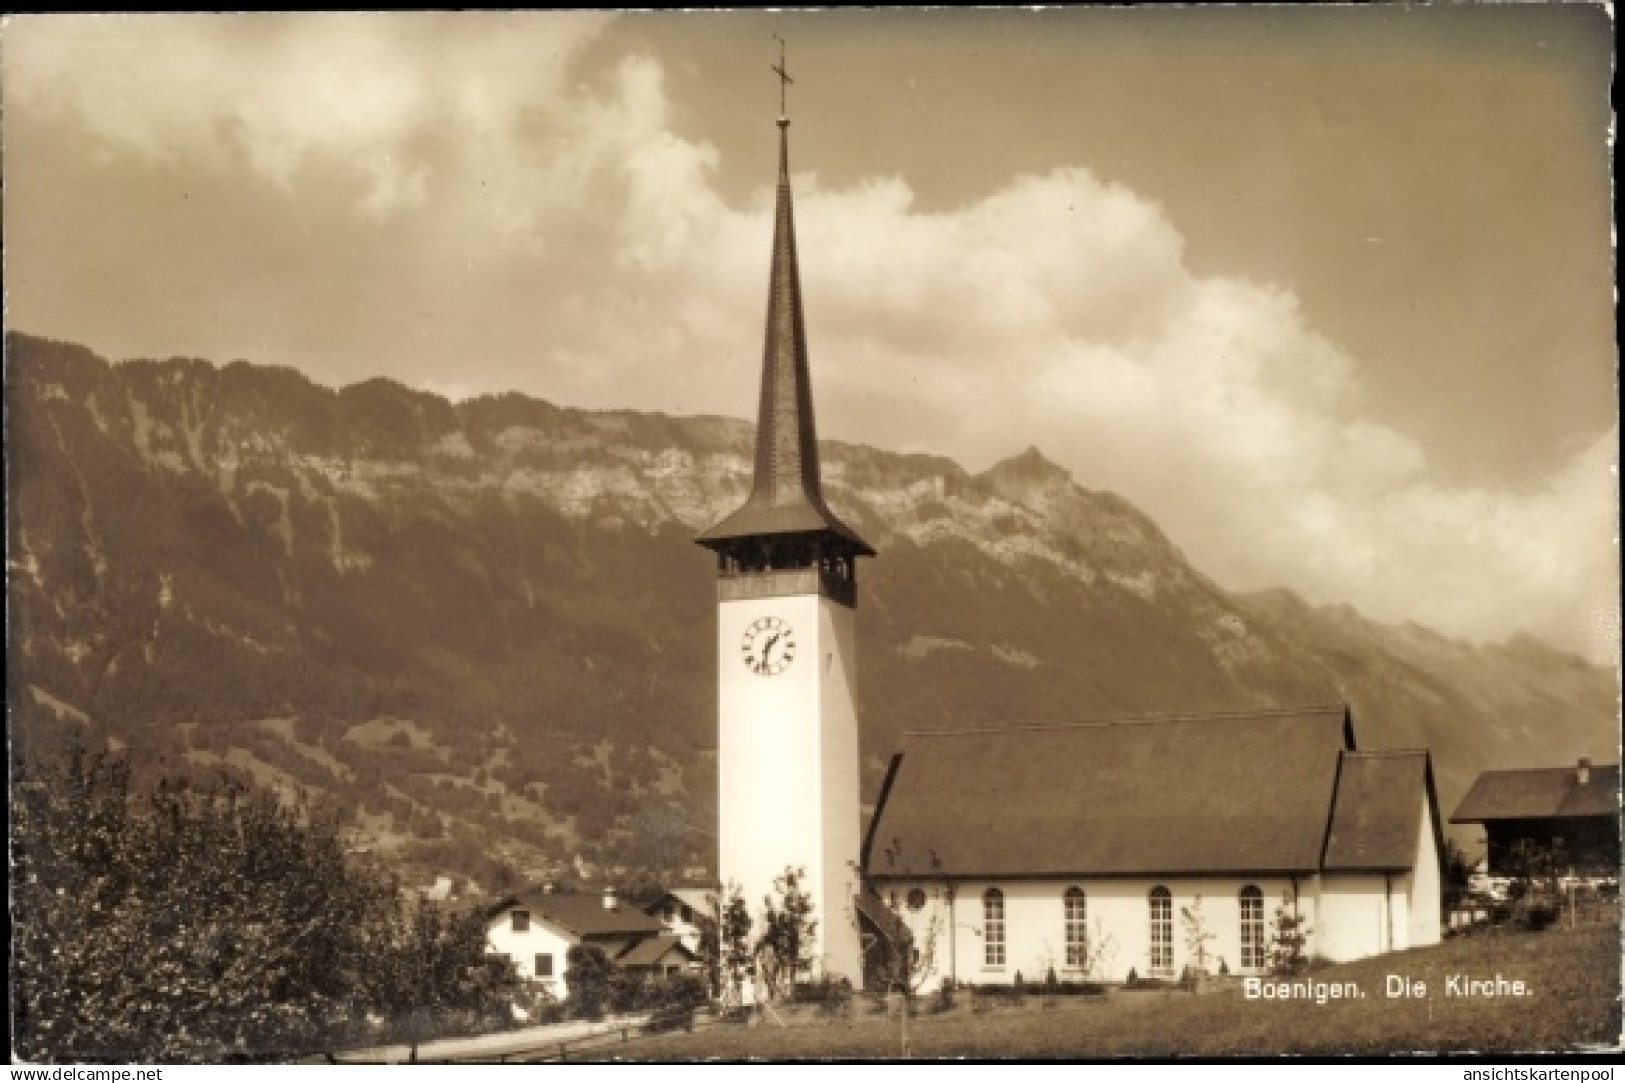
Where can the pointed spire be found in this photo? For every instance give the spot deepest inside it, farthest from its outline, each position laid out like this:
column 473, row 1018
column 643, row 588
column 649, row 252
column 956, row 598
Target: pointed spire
column 787, row 495
column 786, row 435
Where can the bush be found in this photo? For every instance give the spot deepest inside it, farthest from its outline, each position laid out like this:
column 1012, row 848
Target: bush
column 1061, row 988
column 1539, row 917
column 587, row 974
column 823, row 991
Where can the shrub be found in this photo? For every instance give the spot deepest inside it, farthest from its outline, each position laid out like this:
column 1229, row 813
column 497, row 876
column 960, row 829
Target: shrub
column 587, row 975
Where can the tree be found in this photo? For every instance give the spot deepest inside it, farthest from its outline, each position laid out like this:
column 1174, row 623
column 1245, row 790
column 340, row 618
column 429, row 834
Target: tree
column 725, row 946
column 1101, row 953
column 785, row 950
column 198, row 922
column 1458, row 875
column 1289, row 936
column 587, row 976
column 442, row 980
column 1197, row 935
column 903, row 958
column 1535, row 886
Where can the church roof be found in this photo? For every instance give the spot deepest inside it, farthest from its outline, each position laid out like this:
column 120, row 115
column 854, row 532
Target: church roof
column 787, row 496
column 1377, row 818
column 1253, row 792
column 1539, row 793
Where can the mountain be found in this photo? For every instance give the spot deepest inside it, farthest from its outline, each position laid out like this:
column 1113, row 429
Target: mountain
column 481, row 633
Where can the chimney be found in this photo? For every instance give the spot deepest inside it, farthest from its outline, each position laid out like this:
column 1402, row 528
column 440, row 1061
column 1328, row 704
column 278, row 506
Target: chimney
column 1582, row 771
column 609, row 898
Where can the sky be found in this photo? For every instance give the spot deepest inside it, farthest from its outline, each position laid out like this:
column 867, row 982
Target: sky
column 1327, row 292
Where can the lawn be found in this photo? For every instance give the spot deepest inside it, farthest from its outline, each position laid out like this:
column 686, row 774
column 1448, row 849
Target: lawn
column 1572, row 983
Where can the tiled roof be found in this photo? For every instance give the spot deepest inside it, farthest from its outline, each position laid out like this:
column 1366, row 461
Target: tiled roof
column 1538, row 793
column 1239, row 792
column 583, row 915
column 1378, row 815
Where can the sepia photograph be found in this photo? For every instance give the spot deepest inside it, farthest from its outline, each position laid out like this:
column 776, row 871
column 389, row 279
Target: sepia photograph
column 1080, row 534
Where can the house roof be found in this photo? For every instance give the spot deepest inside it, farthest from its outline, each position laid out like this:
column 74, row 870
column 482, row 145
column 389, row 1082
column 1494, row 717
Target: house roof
column 1240, row 792
column 697, row 899
column 652, row 951
column 1539, row 793
column 584, row 915
column 1377, row 815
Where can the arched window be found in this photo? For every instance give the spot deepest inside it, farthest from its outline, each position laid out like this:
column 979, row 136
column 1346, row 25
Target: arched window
column 993, row 919
column 1162, row 932
column 1252, row 928
column 1077, row 935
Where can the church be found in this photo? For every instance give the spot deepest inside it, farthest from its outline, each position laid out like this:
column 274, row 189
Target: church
column 1094, row 850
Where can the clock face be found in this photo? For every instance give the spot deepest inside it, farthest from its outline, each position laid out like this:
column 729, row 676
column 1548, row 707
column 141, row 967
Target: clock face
column 769, row 646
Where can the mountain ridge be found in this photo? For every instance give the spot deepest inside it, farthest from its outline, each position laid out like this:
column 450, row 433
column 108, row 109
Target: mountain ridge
column 506, row 592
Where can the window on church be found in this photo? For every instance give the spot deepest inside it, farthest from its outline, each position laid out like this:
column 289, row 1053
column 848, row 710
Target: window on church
column 993, row 920
column 521, row 921
column 1162, row 933
column 1252, row 928
column 1077, row 936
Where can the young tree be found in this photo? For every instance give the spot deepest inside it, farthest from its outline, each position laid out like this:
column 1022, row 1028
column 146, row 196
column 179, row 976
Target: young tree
column 725, row 946
column 1101, row 956
column 785, row 949
column 1197, row 935
column 1288, row 939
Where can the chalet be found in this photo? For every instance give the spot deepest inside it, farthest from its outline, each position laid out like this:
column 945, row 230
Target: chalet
column 538, row 930
column 681, row 910
column 1574, row 810
column 1099, row 848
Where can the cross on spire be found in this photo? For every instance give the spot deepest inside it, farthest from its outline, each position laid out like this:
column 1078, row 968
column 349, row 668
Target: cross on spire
column 784, row 77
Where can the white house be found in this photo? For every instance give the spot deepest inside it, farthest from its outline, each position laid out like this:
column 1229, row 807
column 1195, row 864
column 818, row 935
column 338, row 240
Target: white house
column 1102, row 848
column 681, row 909
column 538, row 930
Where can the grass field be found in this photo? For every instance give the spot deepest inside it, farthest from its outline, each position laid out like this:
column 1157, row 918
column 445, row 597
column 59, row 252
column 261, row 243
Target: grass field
column 1572, row 1001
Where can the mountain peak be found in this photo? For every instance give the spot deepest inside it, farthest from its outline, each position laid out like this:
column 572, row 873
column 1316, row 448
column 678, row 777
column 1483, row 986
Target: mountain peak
column 1029, row 466
column 1028, row 479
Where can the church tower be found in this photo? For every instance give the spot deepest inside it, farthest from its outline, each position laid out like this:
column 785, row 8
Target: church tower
column 787, row 594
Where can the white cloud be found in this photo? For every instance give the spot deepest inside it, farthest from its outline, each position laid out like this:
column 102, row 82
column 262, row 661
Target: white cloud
column 560, row 236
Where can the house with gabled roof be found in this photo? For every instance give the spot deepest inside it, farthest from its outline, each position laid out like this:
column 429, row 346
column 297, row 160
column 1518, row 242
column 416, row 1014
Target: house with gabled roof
column 682, row 910
column 1093, row 848
column 537, row 930
column 1572, row 809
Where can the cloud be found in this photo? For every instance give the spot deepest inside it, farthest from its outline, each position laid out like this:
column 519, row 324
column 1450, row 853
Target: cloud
column 422, row 202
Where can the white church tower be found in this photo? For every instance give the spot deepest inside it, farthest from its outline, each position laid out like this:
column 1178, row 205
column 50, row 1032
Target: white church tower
column 787, row 742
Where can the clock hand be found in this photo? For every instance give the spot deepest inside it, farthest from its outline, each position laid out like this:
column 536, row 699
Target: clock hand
column 767, row 649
